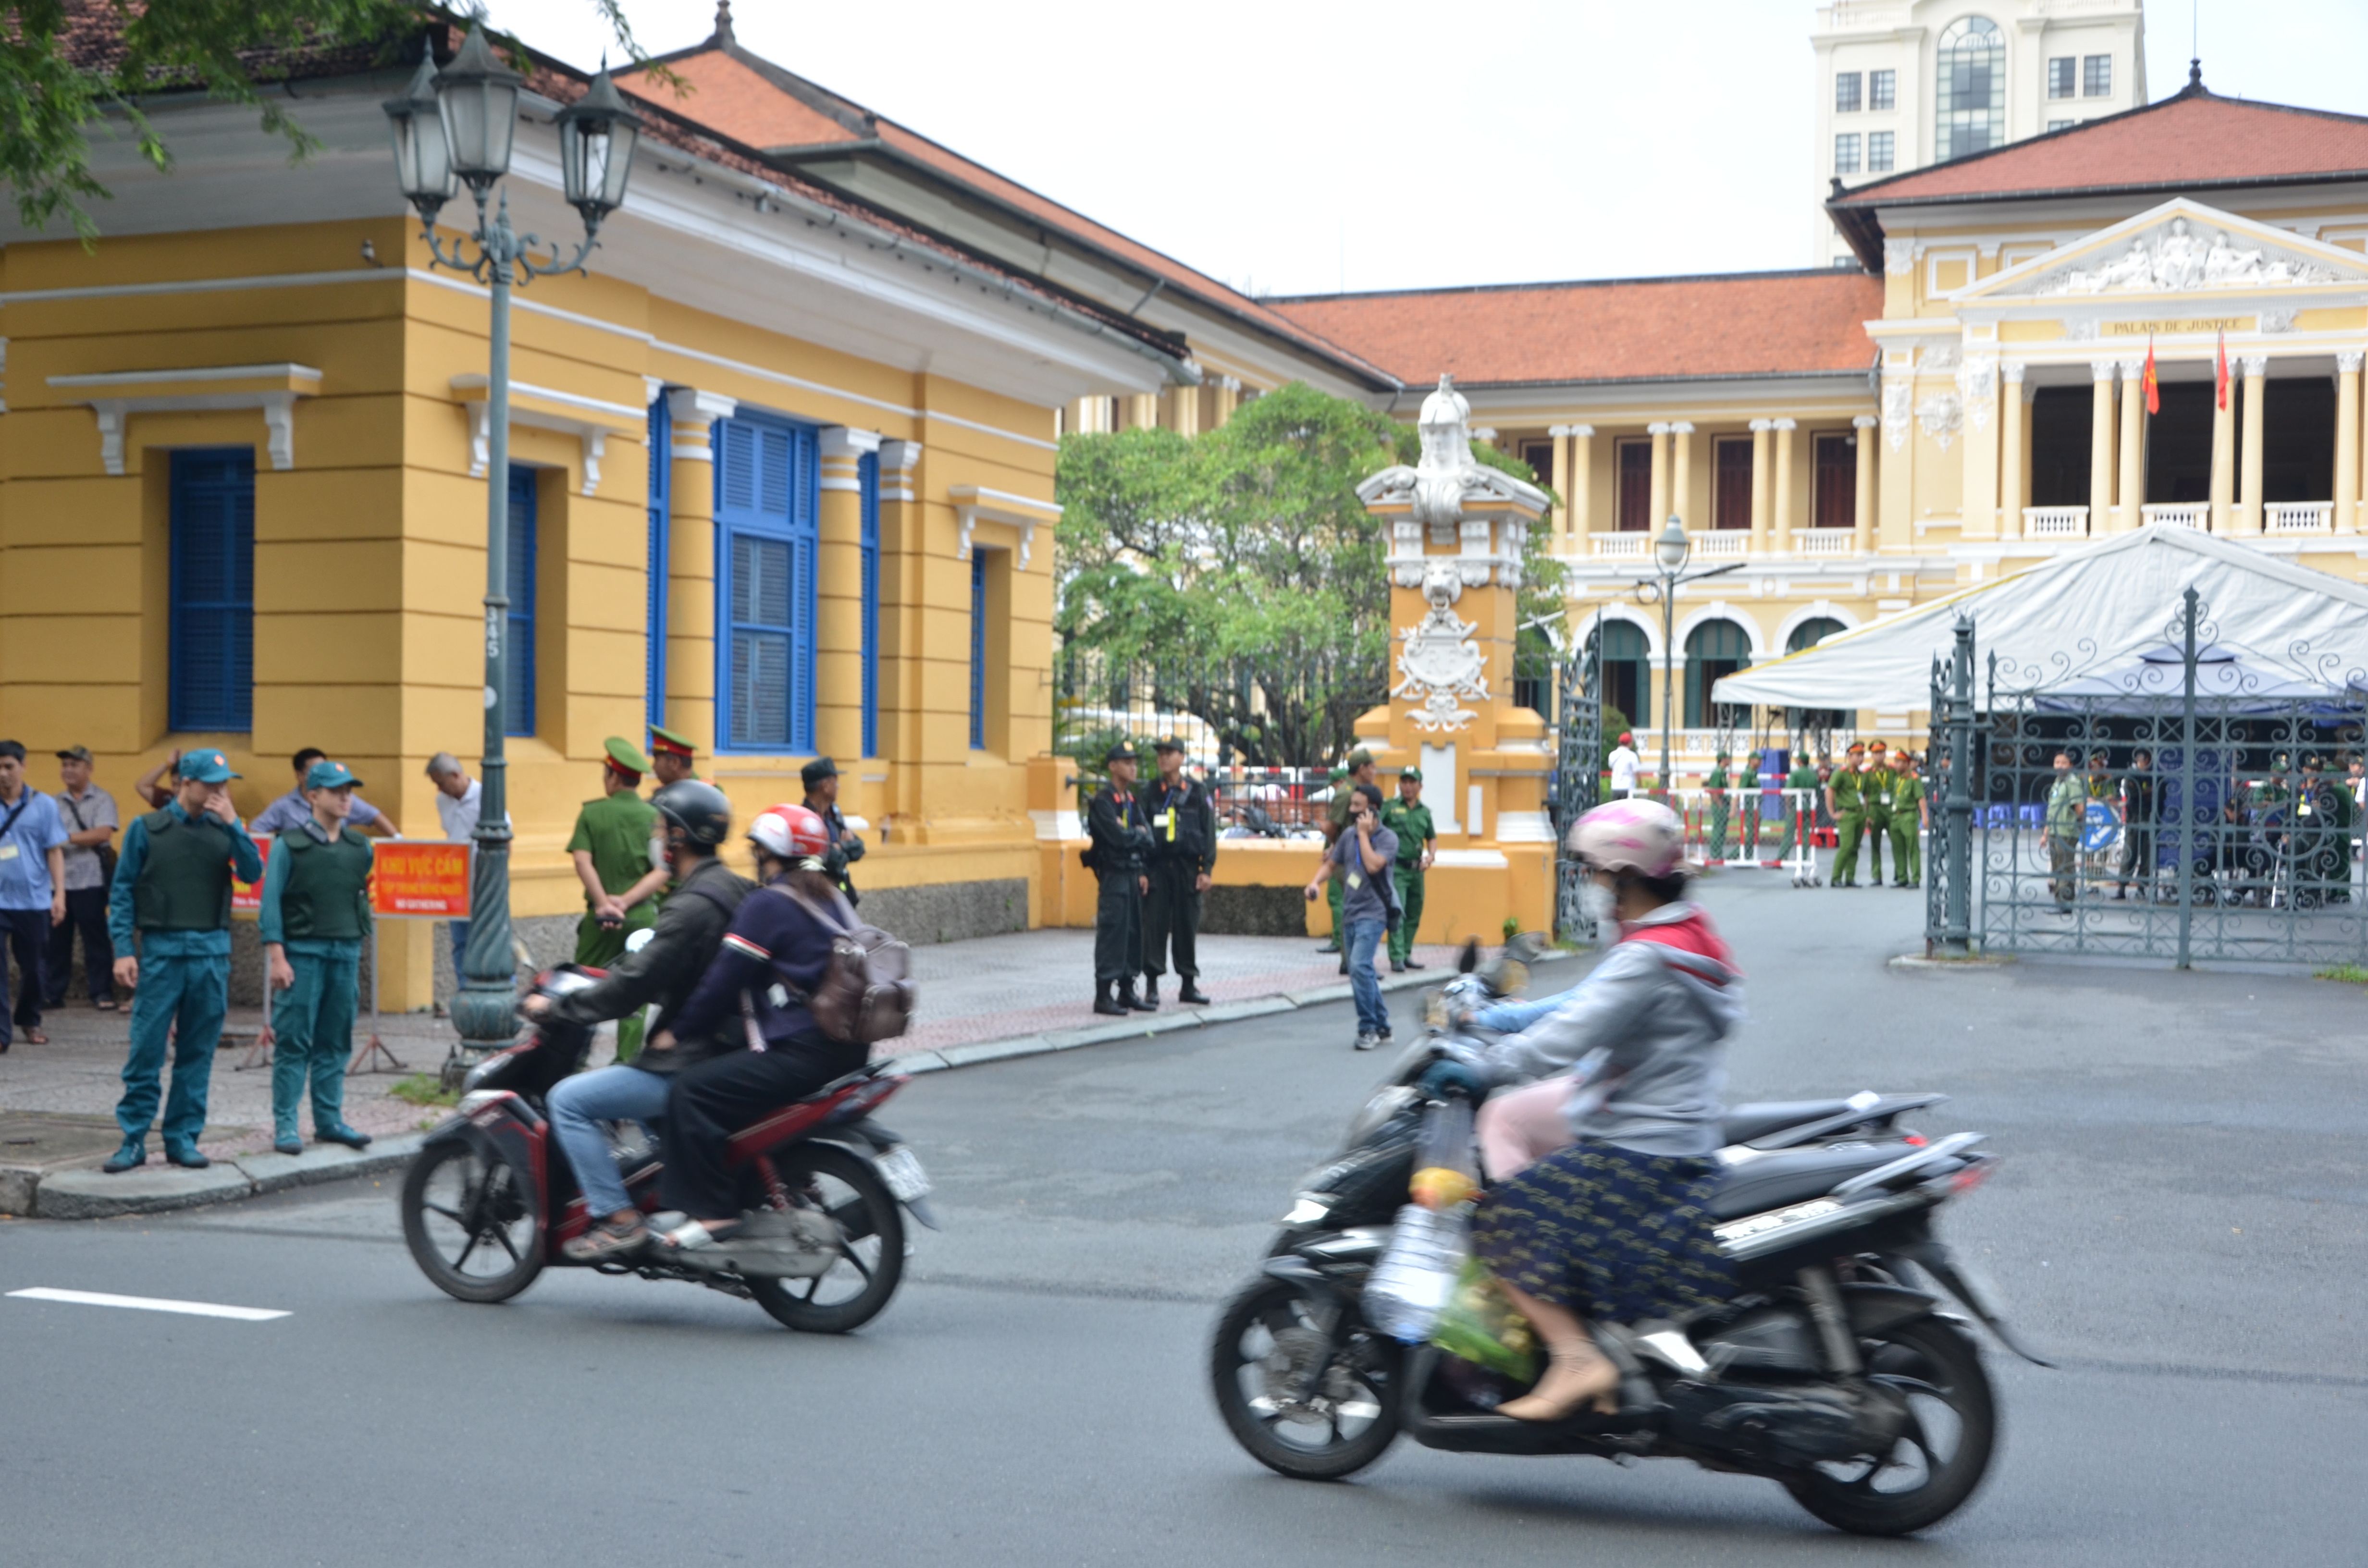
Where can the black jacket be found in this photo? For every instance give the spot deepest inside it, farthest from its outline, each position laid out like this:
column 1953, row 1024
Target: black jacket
column 1191, row 839
column 1114, row 820
column 682, row 945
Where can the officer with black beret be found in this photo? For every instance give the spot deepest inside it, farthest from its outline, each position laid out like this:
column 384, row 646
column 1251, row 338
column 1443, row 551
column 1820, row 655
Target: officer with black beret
column 1122, row 839
column 1183, row 858
column 821, row 780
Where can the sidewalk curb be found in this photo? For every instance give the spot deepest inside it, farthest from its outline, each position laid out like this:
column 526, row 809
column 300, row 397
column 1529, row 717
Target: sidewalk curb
column 92, row 1194
column 1153, row 1024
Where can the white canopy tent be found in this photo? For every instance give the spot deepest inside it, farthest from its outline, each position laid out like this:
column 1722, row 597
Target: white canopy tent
column 2099, row 621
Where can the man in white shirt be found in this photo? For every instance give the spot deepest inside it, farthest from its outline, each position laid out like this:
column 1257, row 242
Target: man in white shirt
column 458, row 798
column 1624, row 761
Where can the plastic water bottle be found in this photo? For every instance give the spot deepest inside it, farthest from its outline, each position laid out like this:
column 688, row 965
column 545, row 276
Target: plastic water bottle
column 1410, row 1286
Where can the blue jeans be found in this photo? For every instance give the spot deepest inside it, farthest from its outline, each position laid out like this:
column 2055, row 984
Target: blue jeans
column 1364, row 937
column 579, row 1104
column 459, row 945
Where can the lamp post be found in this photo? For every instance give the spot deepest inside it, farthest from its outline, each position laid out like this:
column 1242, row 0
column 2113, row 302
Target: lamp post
column 453, row 127
column 1671, row 549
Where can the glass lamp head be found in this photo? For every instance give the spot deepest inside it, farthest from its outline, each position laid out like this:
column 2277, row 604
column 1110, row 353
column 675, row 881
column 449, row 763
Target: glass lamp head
column 1671, row 548
column 479, row 97
column 423, row 159
column 597, row 136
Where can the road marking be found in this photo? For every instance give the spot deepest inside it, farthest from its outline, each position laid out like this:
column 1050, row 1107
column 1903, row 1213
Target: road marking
column 149, row 1304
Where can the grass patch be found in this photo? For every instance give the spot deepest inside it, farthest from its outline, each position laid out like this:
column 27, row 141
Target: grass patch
column 424, row 1089
column 2350, row 973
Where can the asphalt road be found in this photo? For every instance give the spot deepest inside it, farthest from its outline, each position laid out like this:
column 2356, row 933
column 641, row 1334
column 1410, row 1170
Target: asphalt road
column 2181, row 1221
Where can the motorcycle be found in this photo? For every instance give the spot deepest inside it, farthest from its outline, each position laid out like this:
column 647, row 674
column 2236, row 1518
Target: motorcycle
column 488, row 1203
column 1832, row 1370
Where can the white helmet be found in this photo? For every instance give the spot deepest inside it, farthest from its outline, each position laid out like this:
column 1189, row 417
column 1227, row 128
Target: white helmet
column 1644, row 836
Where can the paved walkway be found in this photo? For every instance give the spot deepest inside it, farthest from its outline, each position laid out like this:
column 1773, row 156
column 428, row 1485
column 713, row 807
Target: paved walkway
column 1027, row 984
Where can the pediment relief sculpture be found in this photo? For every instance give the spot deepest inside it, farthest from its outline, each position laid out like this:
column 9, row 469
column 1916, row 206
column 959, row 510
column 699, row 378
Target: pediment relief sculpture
column 2181, row 257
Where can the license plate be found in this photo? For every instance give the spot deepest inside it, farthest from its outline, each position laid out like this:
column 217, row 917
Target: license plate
column 903, row 1174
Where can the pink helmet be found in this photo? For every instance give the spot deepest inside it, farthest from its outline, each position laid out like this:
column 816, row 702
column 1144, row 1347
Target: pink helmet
column 1644, row 836
column 789, row 832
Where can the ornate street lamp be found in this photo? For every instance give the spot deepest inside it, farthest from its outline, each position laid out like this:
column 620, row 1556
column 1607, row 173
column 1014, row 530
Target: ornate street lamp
column 451, row 127
column 1671, row 549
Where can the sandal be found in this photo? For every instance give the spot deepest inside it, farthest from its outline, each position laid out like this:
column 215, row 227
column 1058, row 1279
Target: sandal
column 607, row 1239
column 1574, row 1378
column 35, row 1037
column 693, row 1235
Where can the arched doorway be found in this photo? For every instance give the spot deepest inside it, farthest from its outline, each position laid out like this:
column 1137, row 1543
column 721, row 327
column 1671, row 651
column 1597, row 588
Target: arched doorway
column 1714, row 650
column 1627, row 674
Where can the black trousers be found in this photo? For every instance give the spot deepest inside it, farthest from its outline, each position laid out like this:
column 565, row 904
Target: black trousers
column 86, row 916
column 1171, row 919
column 719, row 1097
column 1118, row 927
column 29, row 944
column 2138, row 853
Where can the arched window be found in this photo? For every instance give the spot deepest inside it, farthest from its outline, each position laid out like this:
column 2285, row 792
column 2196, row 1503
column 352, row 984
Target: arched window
column 1714, row 650
column 1811, row 632
column 1627, row 674
column 1970, row 106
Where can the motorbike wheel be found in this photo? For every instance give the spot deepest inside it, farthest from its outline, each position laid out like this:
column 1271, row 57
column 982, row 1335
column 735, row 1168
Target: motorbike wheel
column 1266, row 1341
column 1941, row 1456
column 463, row 1206
column 871, row 1245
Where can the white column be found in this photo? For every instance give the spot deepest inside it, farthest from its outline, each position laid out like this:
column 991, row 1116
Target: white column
column 2130, row 496
column 1560, row 476
column 2100, row 446
column 1581, row 496
column 2347, row 443
column 1762, row 482
column 1862, row 493
column 1682, row 474
column 1780, row 435
column 2249, row 509
column 2014, row 480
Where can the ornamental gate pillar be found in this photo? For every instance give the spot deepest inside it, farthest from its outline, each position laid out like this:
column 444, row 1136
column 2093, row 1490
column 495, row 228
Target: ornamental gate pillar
column 1458, row 535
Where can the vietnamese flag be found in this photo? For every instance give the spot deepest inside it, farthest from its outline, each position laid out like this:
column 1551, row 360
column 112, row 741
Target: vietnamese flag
column 2221, row 378
column 2153, row 387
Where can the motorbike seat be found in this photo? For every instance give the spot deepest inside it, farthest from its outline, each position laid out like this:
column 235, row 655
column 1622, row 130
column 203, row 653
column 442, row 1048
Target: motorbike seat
column 1796, row 1176
column 1743, row 1123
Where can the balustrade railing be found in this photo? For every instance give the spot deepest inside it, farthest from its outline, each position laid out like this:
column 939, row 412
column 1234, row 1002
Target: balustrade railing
column 2196, row 514
column 2054, row 522
column 1727, row 544
column 2298, row 517
column 1621, row 547
column 1825, row 541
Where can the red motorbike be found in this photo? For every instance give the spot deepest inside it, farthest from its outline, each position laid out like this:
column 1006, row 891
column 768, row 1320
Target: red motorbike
column 487, row 1204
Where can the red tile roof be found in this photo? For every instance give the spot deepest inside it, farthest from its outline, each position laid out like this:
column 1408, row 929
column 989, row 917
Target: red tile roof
column 1749, row 324
column 2192, row 138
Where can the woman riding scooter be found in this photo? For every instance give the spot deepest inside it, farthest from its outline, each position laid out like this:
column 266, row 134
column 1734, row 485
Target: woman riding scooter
column 774, row 955
column 1616, row 1224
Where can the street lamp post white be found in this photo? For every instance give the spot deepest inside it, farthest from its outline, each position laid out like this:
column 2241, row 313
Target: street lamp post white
column 1671, row 548
column 453, row 127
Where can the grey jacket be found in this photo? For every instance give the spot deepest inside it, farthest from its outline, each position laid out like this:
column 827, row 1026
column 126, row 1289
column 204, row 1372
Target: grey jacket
column 1646, row 1033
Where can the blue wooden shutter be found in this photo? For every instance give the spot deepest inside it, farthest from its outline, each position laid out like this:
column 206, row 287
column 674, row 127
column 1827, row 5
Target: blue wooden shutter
column 212, row 682
column 518, row 697
column 767, row 505
column 978, row 650
column 868, row 472
column 661, row 451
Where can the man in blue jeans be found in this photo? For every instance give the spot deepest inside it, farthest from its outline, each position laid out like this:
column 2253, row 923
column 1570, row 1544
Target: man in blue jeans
column 1361, row 857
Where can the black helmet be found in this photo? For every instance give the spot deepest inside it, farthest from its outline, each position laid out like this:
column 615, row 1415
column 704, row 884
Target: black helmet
column 700, row 809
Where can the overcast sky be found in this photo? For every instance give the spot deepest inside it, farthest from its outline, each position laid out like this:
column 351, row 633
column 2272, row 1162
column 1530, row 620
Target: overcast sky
column 1300, row 148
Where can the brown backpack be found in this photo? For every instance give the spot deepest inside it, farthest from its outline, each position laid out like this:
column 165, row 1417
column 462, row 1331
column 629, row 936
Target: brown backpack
column 865, row 993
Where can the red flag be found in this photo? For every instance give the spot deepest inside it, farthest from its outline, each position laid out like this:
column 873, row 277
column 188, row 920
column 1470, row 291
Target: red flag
column 2153, row 387
column 2220, row 380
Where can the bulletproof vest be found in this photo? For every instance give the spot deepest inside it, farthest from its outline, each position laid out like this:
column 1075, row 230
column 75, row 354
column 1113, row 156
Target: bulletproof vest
column 185, row 884
column 328, row 887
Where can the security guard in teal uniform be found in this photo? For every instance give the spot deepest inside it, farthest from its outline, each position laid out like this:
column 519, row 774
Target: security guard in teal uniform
column 1183, row 858
column 316, row 910
column 172, row 892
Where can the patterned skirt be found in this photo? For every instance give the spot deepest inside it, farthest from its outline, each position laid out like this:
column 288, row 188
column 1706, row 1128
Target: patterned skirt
column 1607, row 1233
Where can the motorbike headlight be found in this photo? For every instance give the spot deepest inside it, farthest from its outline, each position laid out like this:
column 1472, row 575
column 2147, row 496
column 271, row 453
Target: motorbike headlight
column 1310, row 1210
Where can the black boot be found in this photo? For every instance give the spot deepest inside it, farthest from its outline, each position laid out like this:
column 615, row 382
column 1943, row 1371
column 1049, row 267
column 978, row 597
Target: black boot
column 1150, row 994
column 1127, row 999
column 1104, row 1002
column 1191, row 992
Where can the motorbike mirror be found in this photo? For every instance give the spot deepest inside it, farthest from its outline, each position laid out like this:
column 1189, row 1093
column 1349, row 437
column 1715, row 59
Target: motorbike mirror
column 1471, row 959
column 640, row 939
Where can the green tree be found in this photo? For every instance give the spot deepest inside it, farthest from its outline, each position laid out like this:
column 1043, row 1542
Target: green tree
column 66, row 65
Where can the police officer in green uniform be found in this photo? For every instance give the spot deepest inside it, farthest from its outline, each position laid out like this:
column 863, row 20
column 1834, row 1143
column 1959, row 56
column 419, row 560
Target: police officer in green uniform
column 1747, row 830
column 1357, row 769
column 1799, row 805
column 821, row 778
column 316, row 910
column 1907, row 822
column 622, row 879
column 673, row 757
column 1418, row 840
column 1845, row 797
column 172, row 888
column 1876, row 786
column 1114, row 821
column 1183, row 860
column 1720, row 804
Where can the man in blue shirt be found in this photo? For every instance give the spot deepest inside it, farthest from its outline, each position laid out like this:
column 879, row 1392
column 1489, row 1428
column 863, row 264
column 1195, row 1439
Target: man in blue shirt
column 172, row 893
column 295, row 808
column 33, row 890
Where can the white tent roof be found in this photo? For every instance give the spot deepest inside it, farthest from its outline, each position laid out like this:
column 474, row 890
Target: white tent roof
column 2092, row 621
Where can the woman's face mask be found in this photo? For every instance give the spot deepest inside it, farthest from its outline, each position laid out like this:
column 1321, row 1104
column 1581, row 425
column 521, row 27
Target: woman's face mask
column 1596, row 903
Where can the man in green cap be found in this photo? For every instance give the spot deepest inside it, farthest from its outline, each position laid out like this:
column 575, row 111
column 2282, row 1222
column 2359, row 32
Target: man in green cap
column 316, row 910
column 1114, row 821
column 1715, row 787
column 610, row 847
column 172, row 892
column 1846, row 799
column 1360, row 769
column 1800, row 803
column 1876, row 784
column 1907, row 821
column 821, row 778
column 671, row 757
column 1183, row 858
column 1417, row 838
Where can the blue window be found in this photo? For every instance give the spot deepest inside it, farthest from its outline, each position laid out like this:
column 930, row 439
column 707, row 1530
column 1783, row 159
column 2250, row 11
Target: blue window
column 978, row 650
column 661, row 451
column 212, row 629
column 868, row 471
column 518, row 683
column 768, row 496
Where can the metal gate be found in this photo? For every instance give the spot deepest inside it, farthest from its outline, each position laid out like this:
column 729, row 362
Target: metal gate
column 1578, row 783
column 2184, row 809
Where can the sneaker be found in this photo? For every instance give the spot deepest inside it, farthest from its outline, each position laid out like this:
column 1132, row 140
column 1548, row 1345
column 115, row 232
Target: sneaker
column 1367, row 1041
